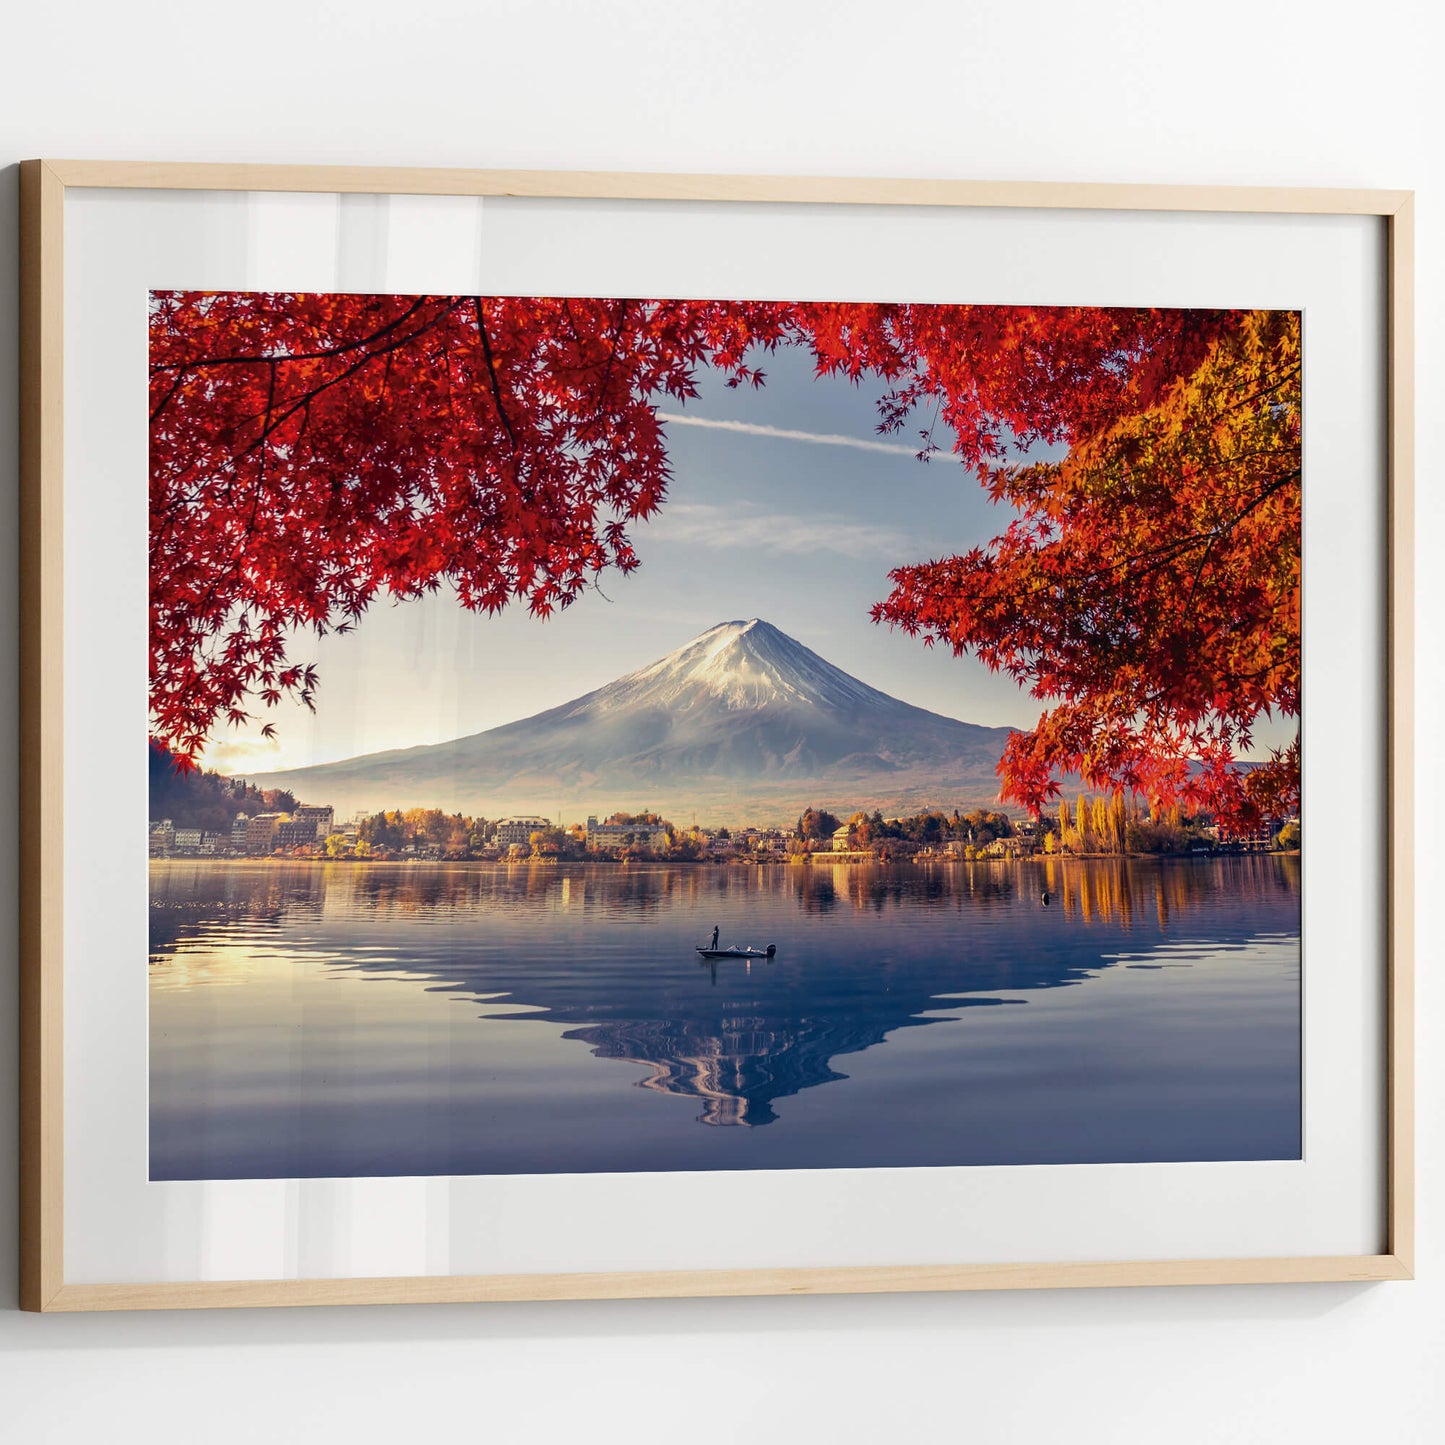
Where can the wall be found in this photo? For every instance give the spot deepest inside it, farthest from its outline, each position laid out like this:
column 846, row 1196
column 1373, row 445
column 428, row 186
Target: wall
column 1299, row 93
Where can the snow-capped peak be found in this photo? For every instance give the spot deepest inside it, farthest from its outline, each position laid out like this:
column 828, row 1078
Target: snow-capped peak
column 743, row 721
column 743, row 665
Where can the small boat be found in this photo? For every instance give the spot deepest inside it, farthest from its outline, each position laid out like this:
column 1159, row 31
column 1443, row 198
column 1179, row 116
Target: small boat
column 768, row 952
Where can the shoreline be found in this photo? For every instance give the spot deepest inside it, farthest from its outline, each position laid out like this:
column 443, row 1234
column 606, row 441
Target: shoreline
column 807, row 860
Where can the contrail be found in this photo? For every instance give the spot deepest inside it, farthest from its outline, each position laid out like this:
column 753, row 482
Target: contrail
column 827, row 439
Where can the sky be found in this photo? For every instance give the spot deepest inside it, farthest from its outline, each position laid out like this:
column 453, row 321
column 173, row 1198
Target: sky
column 785, row 504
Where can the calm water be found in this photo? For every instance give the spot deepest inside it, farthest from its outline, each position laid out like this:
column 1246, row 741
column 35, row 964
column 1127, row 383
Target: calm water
column 388, row 1019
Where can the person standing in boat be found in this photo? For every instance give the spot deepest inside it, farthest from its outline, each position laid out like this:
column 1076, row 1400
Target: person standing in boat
column 713, row 945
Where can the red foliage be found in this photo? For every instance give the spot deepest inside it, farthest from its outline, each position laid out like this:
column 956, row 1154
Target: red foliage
column 1149, row 588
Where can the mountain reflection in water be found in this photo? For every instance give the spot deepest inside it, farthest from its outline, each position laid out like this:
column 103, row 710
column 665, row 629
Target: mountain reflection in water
column 1175, row 1034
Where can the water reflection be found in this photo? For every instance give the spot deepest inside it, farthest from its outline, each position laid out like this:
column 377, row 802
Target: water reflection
column 865, row 953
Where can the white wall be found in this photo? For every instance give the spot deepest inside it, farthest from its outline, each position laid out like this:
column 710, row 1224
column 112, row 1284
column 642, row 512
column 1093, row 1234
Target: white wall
column 1317, row 93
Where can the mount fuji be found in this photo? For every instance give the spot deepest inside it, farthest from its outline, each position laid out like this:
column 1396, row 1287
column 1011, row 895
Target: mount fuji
column 742, row 724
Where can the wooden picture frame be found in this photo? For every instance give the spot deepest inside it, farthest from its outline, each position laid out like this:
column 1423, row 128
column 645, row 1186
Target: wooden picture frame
column 45, row 186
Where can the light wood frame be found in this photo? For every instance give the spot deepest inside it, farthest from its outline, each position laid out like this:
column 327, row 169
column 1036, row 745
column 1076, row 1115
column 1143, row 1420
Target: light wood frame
column 44, row 185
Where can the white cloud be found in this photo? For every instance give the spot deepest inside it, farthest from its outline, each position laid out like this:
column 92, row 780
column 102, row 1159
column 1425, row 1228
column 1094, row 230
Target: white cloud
column 756, row 429
column 749, row 528
column 237, row 755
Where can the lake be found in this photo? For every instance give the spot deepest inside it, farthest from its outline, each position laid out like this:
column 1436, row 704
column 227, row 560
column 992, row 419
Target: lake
column 343, row 1020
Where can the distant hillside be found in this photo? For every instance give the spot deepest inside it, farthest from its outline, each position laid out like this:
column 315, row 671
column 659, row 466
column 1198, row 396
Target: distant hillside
column 206, row 800
column 743, row 723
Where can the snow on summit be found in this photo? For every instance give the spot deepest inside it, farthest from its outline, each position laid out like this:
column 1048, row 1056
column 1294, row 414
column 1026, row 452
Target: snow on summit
column 744, row 665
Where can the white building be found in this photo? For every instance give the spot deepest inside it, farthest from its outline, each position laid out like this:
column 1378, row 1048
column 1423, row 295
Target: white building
column 320, row 818
column 520, row 830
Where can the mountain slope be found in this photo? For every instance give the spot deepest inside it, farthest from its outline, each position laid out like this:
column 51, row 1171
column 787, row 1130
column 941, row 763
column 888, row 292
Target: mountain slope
column 743, row 718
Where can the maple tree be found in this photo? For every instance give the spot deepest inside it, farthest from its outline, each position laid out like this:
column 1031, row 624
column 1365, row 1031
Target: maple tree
column 311, row 452
column 1148, row 588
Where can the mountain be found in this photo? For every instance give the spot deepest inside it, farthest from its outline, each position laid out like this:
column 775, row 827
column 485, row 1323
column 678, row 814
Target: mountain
column 743, row 723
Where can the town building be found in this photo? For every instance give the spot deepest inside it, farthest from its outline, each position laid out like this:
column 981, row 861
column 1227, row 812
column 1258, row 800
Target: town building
column 626, row 835
column 841, row 836
column 320, row 818
column 293, row 832
column 520, row 830
column 260, row 833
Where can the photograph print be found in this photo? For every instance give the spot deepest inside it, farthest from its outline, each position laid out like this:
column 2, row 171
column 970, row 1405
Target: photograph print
column 600, row 735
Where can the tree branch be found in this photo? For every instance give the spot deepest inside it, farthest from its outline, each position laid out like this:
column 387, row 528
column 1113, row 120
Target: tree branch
column 492, row 373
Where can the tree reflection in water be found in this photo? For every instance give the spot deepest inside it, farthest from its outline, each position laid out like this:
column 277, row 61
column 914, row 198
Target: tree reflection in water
column 608, row 952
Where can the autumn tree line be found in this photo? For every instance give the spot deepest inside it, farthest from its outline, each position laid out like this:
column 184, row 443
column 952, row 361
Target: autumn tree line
column 902, row 836
column 422, row 829
column 1115, row 823
column 457, row 837
column 1099, row 824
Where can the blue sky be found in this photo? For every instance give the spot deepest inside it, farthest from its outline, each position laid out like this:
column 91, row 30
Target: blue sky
column 785, row 505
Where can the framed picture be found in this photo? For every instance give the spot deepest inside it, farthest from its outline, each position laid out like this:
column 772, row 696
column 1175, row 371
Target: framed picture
column 710, row 735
